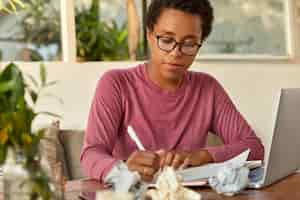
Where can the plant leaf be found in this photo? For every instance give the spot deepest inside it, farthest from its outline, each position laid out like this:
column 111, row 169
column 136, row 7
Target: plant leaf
column 32, row 79
column 33, row 94
column 13, row 73
column 50, row 114
column 43, row 74
column 13, row 7
column 51, row 83
column 3, row 153
column 20, row 3
column 123, row 36
column 60, row 100
column 6, row 86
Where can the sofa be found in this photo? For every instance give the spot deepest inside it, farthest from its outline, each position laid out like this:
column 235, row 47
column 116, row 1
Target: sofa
column 62, row 146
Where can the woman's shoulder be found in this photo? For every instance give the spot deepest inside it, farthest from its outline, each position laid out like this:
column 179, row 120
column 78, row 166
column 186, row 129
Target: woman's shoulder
column 121, row 75
column 208, row 83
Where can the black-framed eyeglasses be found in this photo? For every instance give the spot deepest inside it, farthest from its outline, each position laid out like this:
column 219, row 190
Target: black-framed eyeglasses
column 168, row 44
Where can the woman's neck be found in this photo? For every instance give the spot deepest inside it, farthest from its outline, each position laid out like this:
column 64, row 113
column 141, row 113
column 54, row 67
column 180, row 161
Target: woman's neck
column 166, row 84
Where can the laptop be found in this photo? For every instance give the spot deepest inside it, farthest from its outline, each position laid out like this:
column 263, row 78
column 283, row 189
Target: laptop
column 283, row 158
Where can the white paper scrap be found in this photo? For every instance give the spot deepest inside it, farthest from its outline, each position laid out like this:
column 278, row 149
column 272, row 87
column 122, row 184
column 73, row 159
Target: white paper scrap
column 210, row 170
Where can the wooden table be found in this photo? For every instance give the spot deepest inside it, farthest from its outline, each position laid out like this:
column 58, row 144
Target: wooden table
column 288, row 188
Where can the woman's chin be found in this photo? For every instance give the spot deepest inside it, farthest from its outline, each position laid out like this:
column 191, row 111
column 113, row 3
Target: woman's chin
column 173, row 75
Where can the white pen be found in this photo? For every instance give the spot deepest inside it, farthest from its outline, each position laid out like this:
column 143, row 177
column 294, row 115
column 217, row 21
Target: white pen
column 135, row 138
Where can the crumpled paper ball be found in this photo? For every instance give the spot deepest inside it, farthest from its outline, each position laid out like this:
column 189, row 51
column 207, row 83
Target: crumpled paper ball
column 169, row 187
column 122, row 179
column 230, row 180
column 125, row 181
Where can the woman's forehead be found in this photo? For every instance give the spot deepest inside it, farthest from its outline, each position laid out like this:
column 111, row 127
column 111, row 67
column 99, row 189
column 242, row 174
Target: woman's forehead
column 175, row 22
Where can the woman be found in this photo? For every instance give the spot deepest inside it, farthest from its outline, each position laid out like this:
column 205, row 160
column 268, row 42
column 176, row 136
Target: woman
column 170, row 108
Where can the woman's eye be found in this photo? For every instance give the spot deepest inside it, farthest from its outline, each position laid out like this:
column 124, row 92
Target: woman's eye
column 189, row 44
column 167, row 40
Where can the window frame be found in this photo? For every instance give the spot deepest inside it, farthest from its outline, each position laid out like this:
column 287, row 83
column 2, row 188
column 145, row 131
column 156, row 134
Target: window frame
column 295, row 6
column 68, row 31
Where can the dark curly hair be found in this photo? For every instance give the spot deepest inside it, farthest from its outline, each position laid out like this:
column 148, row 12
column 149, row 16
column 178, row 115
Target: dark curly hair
column 202, row 8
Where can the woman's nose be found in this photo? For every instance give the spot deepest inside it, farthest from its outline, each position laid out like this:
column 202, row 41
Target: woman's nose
column 176, row 51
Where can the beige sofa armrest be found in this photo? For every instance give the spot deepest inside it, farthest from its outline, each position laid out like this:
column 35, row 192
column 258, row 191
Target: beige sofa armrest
column 72, row 141
column 52, row 151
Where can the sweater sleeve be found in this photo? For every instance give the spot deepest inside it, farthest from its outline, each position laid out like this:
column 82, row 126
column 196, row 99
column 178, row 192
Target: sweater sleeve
column 102, row 128
column 233, row 129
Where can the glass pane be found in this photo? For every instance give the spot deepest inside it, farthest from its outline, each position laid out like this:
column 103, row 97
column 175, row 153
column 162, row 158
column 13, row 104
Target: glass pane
column 102, row 30
column 33, row 34
column 248, row 27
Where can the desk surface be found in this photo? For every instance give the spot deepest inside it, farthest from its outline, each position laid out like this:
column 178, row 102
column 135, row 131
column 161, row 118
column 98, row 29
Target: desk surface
column 288, row 188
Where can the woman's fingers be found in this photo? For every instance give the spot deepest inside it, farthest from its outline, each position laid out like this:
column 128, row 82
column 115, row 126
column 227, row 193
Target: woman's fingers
column 177, row 161
column 185, row 164
column 147, row 178
column 145, row 172
column 144, row 158
column 145, row 163
column 147, row 158
column 162, row 157
column 148, row 163
column 174, row 159
column 169, row 158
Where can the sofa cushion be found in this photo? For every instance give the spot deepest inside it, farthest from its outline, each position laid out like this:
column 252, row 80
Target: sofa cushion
column 213, row 140
column 72, row 141
column 52, row 152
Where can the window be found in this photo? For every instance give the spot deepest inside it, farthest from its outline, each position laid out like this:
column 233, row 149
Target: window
column 33, row 34
column 245, row 27
column 102, row 30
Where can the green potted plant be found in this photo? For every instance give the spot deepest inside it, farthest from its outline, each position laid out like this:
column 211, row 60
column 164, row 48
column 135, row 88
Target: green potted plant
column 38, row 25
column 41, row 26
column 98, row 40
column 16, row 118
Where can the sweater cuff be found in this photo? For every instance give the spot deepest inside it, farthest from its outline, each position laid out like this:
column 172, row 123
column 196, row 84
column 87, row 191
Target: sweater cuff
column 100, row 172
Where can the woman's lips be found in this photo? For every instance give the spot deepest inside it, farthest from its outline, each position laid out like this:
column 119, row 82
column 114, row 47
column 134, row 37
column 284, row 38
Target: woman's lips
column 174, row 66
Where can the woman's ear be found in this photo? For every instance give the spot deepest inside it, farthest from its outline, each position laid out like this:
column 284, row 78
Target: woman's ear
column 149, row 38
column 149, row 35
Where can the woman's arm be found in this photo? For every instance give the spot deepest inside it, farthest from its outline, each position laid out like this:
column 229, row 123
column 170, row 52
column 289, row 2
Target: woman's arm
column 102, row 128
column 233, row 129
column 104, row 121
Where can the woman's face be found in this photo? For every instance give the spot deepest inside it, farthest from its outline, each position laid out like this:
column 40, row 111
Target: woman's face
column 174, row 25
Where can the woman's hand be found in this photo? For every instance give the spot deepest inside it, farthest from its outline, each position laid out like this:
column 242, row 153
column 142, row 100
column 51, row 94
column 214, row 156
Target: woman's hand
column 146, row 163
column 183, row 159
column 175, row 159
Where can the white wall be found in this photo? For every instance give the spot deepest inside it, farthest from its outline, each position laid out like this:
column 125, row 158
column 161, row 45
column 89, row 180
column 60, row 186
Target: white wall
column 253, row 87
